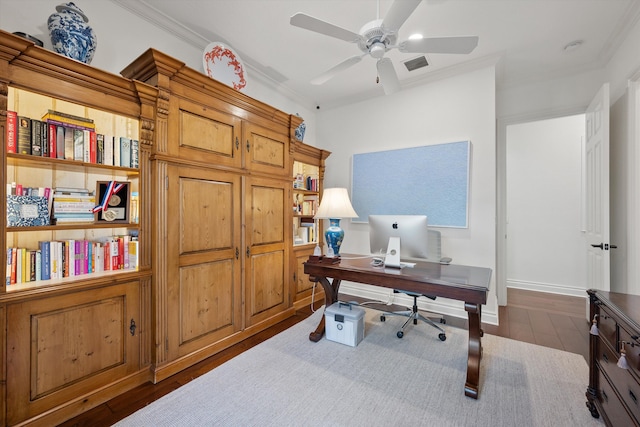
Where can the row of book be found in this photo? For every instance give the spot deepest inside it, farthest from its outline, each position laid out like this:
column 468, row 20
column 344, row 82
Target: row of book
column 68, row 258
column 60, row 204
column 64, row 136
column 304, row 231
column 306, row 205
column 306, row 183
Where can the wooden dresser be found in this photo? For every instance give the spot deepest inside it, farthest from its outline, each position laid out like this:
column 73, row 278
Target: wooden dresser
column 613, row 391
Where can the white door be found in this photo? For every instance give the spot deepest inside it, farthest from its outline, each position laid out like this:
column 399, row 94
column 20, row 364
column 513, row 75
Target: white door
column 597, row 191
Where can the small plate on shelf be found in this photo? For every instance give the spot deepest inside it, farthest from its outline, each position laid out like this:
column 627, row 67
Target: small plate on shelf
column 220, row 62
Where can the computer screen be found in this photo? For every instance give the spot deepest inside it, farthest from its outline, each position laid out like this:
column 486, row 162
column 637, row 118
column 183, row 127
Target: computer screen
column 412, row 230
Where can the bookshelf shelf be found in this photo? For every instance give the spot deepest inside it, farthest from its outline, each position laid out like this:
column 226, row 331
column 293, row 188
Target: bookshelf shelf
column 17, row 159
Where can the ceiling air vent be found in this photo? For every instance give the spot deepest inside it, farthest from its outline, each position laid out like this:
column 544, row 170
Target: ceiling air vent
column 414, row 64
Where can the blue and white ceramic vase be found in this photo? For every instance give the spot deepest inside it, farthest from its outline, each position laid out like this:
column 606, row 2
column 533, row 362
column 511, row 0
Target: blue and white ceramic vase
column 70, row 34
column 302, row 127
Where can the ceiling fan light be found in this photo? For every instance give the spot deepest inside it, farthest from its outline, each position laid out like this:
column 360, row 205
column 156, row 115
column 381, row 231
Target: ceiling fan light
column 377, row 50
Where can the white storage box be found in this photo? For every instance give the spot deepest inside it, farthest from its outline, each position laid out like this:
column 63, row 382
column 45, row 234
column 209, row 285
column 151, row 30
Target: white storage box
column 344, row 323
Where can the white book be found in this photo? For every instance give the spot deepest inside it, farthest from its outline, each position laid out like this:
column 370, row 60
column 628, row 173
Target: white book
column 108, row 150
column 98, row 251
column 116, row 151
column 87, row 145
column 72, row 257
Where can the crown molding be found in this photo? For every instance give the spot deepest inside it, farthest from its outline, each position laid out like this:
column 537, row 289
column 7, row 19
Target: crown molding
column 262, row 74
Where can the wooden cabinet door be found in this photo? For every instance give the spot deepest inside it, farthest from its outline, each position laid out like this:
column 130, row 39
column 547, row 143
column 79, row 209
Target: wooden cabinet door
column 302, row 287
column 204, row 258
column 266, row 150
column 267, row 248
column 200, row 133
column 60, row 348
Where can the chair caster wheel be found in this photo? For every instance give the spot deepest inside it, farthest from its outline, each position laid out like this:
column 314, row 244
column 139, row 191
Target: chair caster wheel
column 443, row 320
column 383, row 318
column 442, row 337
column 400, row 334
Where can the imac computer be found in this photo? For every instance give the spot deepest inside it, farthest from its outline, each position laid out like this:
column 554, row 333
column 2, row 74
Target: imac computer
column 403, row 236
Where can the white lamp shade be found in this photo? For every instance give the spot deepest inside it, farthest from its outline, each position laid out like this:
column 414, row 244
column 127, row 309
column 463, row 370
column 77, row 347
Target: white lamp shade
column 335, row 203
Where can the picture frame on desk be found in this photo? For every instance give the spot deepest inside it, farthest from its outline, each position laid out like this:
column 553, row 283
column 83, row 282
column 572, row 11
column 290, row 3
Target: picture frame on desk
column 117, row 207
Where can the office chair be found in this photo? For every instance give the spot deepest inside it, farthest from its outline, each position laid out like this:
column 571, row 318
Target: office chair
column 414, row 315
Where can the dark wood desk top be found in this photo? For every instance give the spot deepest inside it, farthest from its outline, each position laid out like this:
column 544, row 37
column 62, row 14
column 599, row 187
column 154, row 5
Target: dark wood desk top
column 459, row 282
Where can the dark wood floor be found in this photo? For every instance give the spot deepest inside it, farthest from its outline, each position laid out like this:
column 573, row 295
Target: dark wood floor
column 548, row 320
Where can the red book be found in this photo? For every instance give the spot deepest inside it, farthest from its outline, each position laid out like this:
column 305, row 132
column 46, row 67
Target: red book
column 12, row 132
column 93, row 150
column 14, row 265
column 120, row 257
column 53, row 131
column 107, row 256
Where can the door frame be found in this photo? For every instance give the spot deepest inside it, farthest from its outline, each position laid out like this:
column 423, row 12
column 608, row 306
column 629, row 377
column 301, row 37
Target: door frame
column 501, row 188
column 633, row 186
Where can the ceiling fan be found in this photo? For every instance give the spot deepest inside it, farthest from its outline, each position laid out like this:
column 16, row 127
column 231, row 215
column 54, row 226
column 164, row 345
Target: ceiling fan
column 378, row 37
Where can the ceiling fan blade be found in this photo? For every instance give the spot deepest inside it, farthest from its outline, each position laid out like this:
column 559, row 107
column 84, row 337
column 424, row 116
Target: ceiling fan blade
column 440, row 45
column 388, row 76
column 399, row 13
column 322, row 78
column 314, row 24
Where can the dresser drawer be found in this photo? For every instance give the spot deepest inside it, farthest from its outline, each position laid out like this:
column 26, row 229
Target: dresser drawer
column 612, row 407
column 607, row 327
column 625, row 381
column 633, row 353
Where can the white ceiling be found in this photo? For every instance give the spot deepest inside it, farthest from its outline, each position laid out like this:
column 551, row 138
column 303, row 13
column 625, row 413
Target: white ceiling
column 524, row 38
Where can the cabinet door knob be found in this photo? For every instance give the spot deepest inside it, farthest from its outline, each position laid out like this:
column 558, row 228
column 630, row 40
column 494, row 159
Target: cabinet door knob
column 132, row 327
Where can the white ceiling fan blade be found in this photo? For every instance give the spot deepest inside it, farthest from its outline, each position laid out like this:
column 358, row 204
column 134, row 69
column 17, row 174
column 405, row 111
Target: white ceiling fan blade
column 322, row 78
column 388, row 76
column 440, row 45
column 314, row 24
column 398, row 14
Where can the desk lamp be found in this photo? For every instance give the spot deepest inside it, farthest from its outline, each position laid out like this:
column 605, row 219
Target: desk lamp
column 334, row 206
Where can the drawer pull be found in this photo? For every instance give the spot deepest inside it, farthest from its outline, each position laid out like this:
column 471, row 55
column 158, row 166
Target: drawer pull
column 605, row 357
column 633, row 397
column 604, row 395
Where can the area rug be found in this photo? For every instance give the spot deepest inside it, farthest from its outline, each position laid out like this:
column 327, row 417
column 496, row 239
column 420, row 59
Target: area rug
column 384, row 381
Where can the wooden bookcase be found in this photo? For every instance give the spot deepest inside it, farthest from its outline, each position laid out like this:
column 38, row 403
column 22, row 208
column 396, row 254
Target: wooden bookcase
column 73, row 342
column 308, row 176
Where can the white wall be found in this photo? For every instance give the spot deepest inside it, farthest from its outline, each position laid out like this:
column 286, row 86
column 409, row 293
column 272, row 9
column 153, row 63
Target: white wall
column 458, row 108
column 545, row 243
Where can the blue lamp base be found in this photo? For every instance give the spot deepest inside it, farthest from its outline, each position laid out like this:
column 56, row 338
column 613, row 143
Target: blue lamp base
column 334, row 235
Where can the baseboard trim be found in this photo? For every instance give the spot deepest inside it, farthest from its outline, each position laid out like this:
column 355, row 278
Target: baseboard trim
column 549, row 288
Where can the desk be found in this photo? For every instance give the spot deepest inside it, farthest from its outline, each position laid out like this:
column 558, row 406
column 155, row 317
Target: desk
column 459, row 282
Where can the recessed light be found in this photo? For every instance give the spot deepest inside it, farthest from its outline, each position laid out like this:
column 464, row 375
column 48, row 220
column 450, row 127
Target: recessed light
column 572, row 46
column 415, row 36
